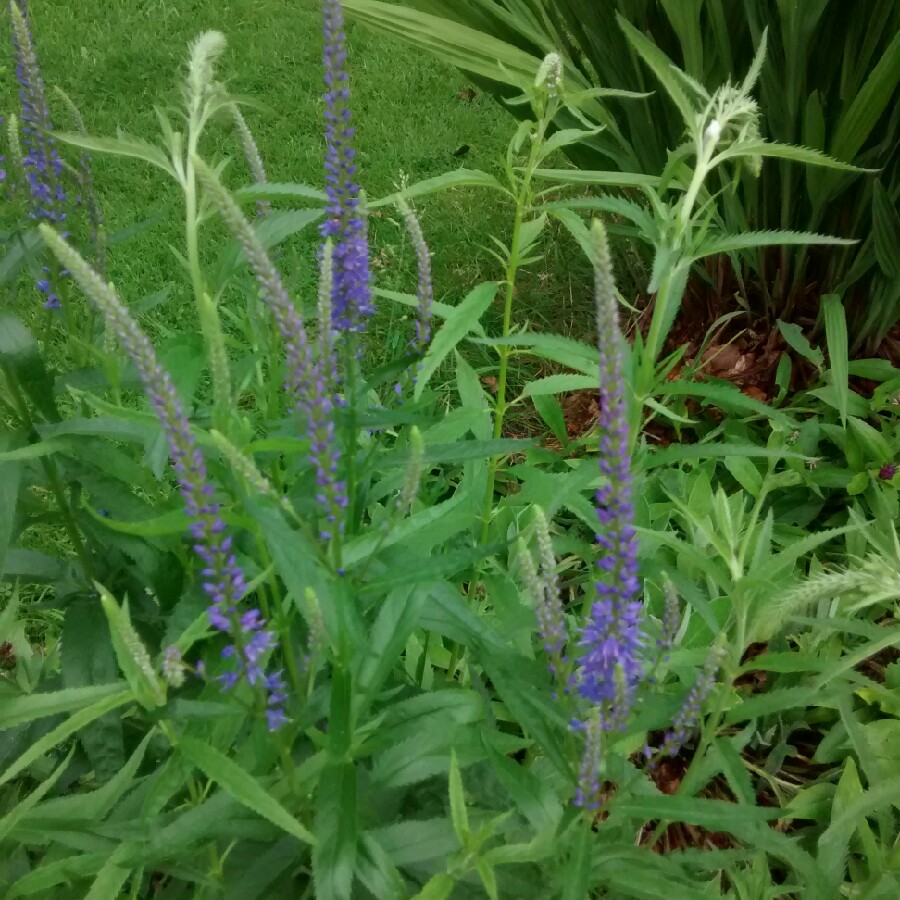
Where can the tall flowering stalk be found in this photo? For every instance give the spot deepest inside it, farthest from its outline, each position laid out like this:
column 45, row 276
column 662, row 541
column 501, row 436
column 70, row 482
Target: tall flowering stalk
column 611, row 665
column 223, row 581
column 308, row 379
column 43, row 165
column 351, row 290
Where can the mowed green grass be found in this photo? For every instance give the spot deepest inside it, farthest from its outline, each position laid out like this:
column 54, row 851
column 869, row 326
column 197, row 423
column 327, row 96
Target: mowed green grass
column 119, row 58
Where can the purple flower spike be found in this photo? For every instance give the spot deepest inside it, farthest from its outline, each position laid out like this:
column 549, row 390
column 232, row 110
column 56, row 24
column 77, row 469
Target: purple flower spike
column 612, row 641
column 223, row 580
column 43, row 166
column 351, row 290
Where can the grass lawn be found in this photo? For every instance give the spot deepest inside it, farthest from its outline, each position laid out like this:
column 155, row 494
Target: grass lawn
column 414, row 116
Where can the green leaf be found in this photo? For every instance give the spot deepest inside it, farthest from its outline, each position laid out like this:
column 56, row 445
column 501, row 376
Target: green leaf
column 21, row 357
column 717, row 815
column 458, row 813
column 23, row 807
column 464, row 319
column 396, row 620
column 722, row 394
column 454, row 179
column 254, row 881
column 272, row 229
column 785, row 151
column 242, row 786
column 551, row 412
column 112, row 877
column 21, row 710
column 10, row 479
column 729, row 243
column 582, row 176
column 413, row 841
column 797, row 340
column 578, row 868
column 460, row 46
column 679, row 453
column 838, row 353
column 885, row 231
column 88, row 658
column 875, row 95
column 123, row 145
column 559, row 384
column 334, row 857
column 174, row 522
column 574, row 354
column 272, row 190
column 663, row 68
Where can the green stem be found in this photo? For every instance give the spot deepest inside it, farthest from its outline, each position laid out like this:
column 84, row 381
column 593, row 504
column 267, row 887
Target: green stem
column 206, row 310
column 504, row 352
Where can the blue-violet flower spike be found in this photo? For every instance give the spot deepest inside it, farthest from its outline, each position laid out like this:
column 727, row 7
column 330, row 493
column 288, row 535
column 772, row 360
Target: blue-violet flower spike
column 611, row 665
column 345, row 222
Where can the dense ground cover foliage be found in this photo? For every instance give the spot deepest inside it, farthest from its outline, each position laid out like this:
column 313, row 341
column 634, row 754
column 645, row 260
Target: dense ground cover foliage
column 306, row 598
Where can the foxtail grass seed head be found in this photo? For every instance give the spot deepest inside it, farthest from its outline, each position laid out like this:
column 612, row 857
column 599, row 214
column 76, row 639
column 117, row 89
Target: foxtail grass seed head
column 551, row 618
column 692, row 708
column 345, row 220
column 223, row 580
column 424, row 288
column 173, row 668
column 204, row 51
column 246, row 469
column 587, row 792
column 252, row 155
column 671, row 617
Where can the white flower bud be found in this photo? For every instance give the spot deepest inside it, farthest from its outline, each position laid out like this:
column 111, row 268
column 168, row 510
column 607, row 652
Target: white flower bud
column 713, row 132
column 550, row 73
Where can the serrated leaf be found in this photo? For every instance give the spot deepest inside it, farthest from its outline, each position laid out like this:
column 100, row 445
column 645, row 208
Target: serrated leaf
column 729, row 243
column 334, row 857
column 610, row 179
column 123, row 145
column 785, row 151
column 272, row 190
column 241, row 785
column 21, row 710
column 456, row 178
